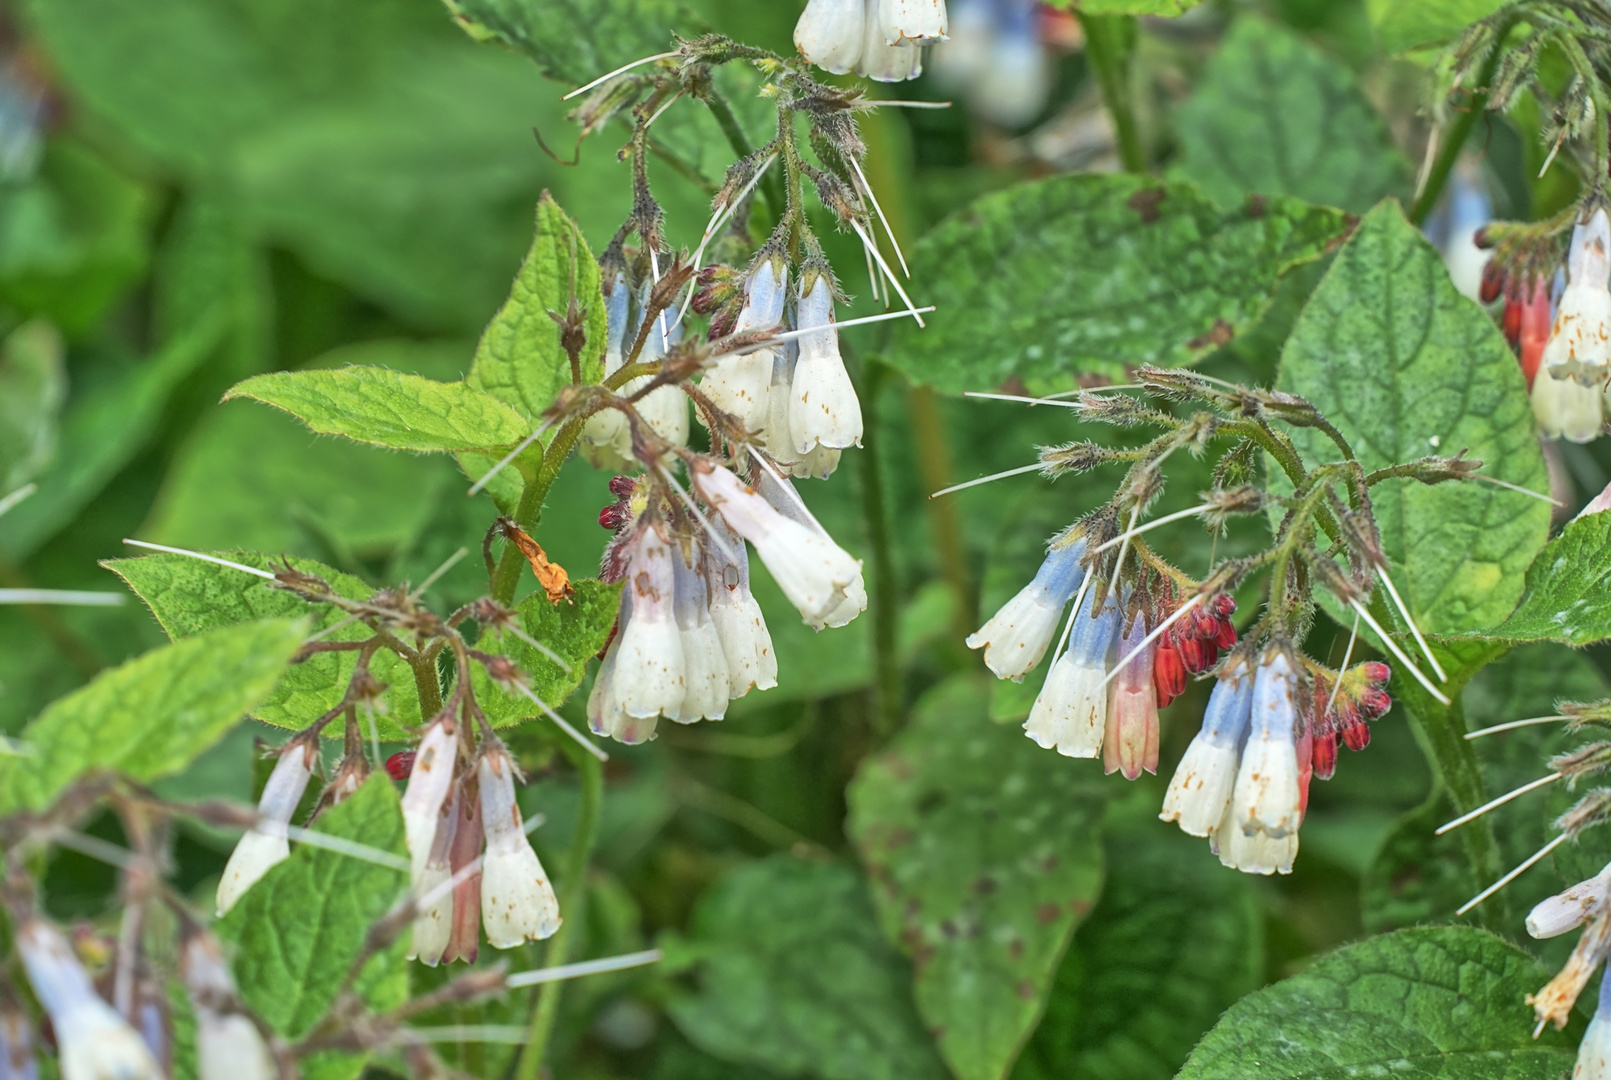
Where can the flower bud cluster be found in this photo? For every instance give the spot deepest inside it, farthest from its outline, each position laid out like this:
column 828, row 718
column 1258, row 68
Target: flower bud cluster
column 1192, row 646
column 880, row 39
column 690, row 636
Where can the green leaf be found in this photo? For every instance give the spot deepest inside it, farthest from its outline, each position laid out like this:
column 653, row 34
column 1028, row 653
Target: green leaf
column 984, row 856
column 1440, row 1003
column 1174, row 941
column 520, row 359
column 211, row 269
column 1401, row 27
column 100, row 431
column 794, row 977
column 576, row 630
column 254, row 478
column 190, row 597
column 389, row 408
column 72, row 239
column 574, row 41
column 1405, row 366
column 1093, row 273
column 299, row 930
column 1276, row 116
column 33, row 383
column 152, row 716
column 1566, row 597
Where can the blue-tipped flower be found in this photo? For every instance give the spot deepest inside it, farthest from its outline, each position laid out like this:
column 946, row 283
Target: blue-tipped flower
column 1259, row 832
column 1202, row 786
column 1016, row 637
column 1594, row 1053
column 1071, row 710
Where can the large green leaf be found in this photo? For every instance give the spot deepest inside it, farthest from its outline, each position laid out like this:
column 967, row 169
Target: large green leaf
column 1087, row 274
column 1566, row 598
column 33, row 382
column 389, row 408
column 1405, row 366
column 520, row 359
column 190, row 597
column 1431, row 1004
column 1174, row 941
column 984, row 856
column 152, row 716
column 575, row 629
column 1401, row 27
column 793, row 976
column 299, row 930
column 1276, row 116
column 574, row 41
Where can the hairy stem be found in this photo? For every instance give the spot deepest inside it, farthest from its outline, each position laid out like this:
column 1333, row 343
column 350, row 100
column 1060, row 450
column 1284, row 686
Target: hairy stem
column 1109, row 42
column 546, row 1011
column 1454, row 141
column 884, row 593
column 771, row 185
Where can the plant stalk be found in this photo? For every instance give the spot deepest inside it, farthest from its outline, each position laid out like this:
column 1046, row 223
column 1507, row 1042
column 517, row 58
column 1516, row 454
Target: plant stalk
column 885, row 594
column 1109, row 44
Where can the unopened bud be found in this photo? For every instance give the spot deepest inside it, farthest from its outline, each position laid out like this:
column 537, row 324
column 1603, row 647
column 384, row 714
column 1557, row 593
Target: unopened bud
column 1075, row 457
column 1570, row 909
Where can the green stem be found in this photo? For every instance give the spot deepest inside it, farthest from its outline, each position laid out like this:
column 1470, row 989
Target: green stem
column 1454, row 141
column 884, row 593
column 530, row 509
column 546, row 1012
column 428, row 685
column 1109, row 42
column 727, row 120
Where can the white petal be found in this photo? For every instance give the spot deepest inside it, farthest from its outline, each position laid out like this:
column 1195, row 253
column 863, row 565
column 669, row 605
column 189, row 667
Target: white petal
column 829, row 34
column 517, row 902
column 1071, row 710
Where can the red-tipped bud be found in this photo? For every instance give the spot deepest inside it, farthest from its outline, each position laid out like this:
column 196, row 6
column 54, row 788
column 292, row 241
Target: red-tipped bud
column 1483, row 239
column 1374, row 702
column 1197, row 656
column 1227, row 636
column 614, row 516
column 1204, row 624
column 1493, row 282
column 1324, row 755
column 400, row 764
column 1511, row 322
column 1377, row 672
column 622, row 486
column 1356, row 735
column 1224, row 605
column 1168, row 675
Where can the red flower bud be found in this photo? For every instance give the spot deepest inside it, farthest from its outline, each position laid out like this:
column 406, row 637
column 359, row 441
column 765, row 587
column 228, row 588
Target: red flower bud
column 400, row 764
column 1168, row 675
column 1377, row 672
column 1194, row 655
column 1224, row 606
column 1374, row 702
column 612, row 517
column 622, row 486
column 1227, row 636
column 1356, row 735
column 1493, row 283
column 1324, row 755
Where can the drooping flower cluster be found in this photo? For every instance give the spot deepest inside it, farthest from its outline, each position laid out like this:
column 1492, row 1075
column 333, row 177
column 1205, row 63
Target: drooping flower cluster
column 456, row 796
column 690, row 636
column 881, row 39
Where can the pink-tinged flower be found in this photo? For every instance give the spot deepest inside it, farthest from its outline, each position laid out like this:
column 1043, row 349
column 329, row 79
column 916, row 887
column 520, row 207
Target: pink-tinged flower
column 823, row 408
column 912, row 21
column 740, row 626
column 1566, row 409
column 1580, row 342
column 266, row 844
column 1130, row 743
column 464, row 937
column 742, row 385
column 93, row 1042
column 829, row 33
column 1203, row 782
column 1070, row 713
column 517, row 902
column 648, row 678
column 814, row 572
column 1570, row 909
column 1017, row 636
column 228, row 1045
column 427, row 824
column 704, row 661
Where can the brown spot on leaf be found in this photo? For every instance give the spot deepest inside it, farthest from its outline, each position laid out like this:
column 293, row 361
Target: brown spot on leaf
column 1080, row 907
column 1146, row 202
column 985, row 886
column 1015, row 949
column 1350, row 223
column 1218, row 334
column 1026, row 989
column 1256, row 207
column 948, row 928
column 1047, row 913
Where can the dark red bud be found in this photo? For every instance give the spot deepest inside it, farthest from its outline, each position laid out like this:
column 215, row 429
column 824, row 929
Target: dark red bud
column 1227, row 636
column 400, row 765
column 1377, row 672
column 1306, row 771
column 722, row 323
column 1493, row 282
column 1324, row 755
column 612, row 517
column 622, row 486
column 1224, row 606
column 1375, row 702
column 1168, row 675
column 1194, row 655
column 1512, row 321
column 1483, row 239
column 1204, row 624
column 1356, row 735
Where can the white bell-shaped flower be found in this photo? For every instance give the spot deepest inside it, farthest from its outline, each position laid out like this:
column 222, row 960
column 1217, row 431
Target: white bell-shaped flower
column 823, row 408
column 1580, row 341
column 742, row 384
column 517, row 902
column 604, row 712
column 1594, row 1052
column 1570, row 909
column 812, row 570
column 1017, row 636
column 93, row 1042
column 881, row 61
column 829, row 33
column 649, row 677
column 1566, row 409
column 1252, row 853
column 1070, row 712
column 607, row 427
column 781, row 493
column 1203, row 782
column 912, row 21
column 266, row 844
column 1267, row 797
column 704, row 661
column 427, row 817
column 228, row 1045
column 778, row 435
column 746, row 642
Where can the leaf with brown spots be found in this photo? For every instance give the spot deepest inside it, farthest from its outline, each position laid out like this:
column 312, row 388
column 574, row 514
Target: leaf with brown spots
column 984, row 856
